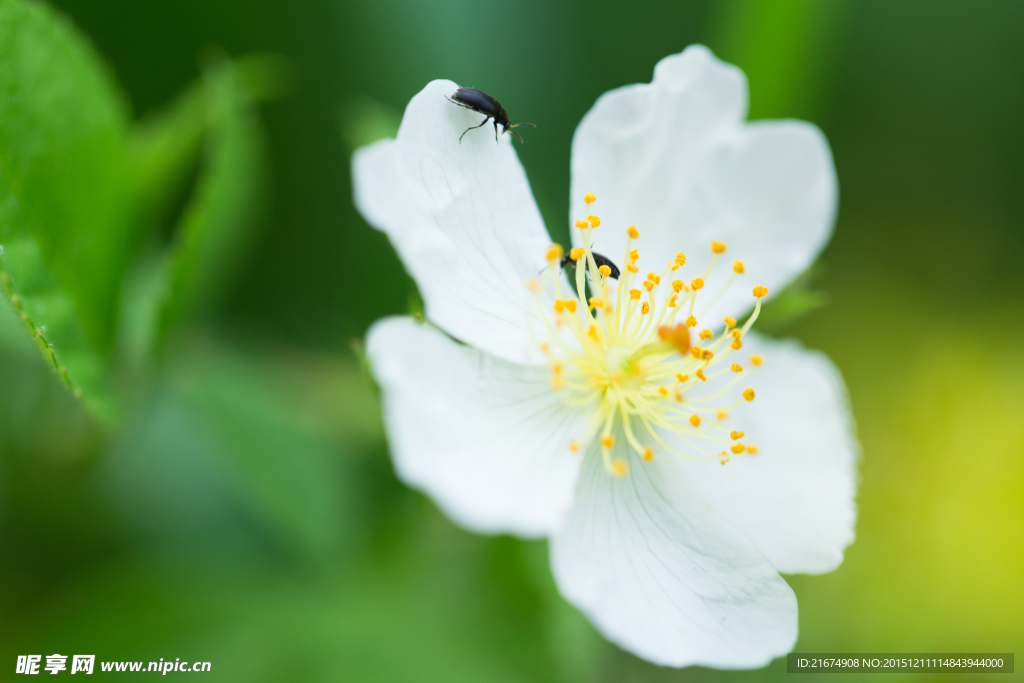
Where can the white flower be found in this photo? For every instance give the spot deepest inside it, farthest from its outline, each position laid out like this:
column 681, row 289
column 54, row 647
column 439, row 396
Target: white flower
column 604, row 423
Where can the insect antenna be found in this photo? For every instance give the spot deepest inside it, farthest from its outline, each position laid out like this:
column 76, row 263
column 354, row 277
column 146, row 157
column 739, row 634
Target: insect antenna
column 516, row 125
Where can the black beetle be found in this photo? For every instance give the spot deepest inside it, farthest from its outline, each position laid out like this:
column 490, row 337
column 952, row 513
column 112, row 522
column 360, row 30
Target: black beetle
column 599, row 260
column 481, row 102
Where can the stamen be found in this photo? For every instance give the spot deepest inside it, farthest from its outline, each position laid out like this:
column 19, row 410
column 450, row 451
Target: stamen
column 756, row 360
column 594, row 220
column 738, row 267
column 633, row 232
column 734, row 435
column 648, row 454
column 697, row 283
column 620, row 468
column 555, row 252
column 576, row 253
column 736, row 367
column 748, row 394
column 605, row 271
column 738, row 448
column 718, row 247
column 589, row 198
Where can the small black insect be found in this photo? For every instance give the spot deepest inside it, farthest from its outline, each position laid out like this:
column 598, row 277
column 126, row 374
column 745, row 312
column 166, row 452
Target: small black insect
column 483, row 103
column 599, row 259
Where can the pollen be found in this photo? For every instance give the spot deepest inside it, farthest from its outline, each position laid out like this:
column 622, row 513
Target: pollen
column 736, row 333
column 677, row 285
column 663, row 391
column 678, row 336
column 654, row 277
column 734, row 435
column 723, row 457
column 596, row 302
column 582, row 225
column 700, row 375
column 570, row 305
column 648, row 454
column 691, row 321
column 645, row 308
column 737, row 448
column 730, row 322
column 736, row 344
column 620, row 468
column 736, row 367
column 594, row 220
column 634, row 294
column 605, row 271
column 634, row 255
column 722, row 415
column 695, row 420
column 753, row 450
column 681, row 377
column 738, row 267
column 718, row 247
column 756, row 360
column 555, row 252
column 633, row 269
column 696, row 283
column 559, row 305
column 576, row 253
column 706, row 334
column 608, row 441
column 680, row 258
column 760, row 291
column 633, row 232
column 748, row 394
column 589, row 198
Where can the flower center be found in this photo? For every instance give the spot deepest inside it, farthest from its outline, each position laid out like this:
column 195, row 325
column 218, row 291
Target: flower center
column 633, row 355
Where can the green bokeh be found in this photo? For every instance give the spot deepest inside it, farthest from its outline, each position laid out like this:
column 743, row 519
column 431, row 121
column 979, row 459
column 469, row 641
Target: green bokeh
column 244, row 511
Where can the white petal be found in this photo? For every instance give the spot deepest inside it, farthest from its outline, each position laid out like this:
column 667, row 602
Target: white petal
column 488, row 440
column 662, row 575
column 795, row 499
column 462, row 219
column 674, row 158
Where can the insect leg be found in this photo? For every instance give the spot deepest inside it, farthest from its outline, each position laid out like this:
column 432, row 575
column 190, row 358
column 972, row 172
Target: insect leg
column 472, row 127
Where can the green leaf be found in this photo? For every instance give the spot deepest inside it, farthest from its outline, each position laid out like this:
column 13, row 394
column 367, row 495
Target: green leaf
column 216, row 224
column 64, row 210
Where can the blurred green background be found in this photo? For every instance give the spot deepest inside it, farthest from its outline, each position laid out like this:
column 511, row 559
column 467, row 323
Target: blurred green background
column 226, row 494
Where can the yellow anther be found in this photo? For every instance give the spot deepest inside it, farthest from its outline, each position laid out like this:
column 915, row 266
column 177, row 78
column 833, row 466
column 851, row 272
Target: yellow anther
column 722, row 415
column 594, row 220
column 752, row 450
column 648, row 285
column 634, row 254
column 738, row 448
column 678, row 336
column 678, row 397
column 648, row 454
column 596, row 302
column 734, row 435
column 576, row 253
column 700, row 375
column 736, row 367
column 633, row 269
column 559, row 305
column 634, row 294
column 677, row 285
column 574, row 447
column 695, row 420
column 723, row 457
column 673, row 300
column 619, row 468
column 633, row 232
column 718, row 247
column 582, row 225
column 654, row 277
column 760, row 291
column 589, row 198
column 756, row 360
column 555, row 252
column 663, row 391
column 738, row 267
column 608, row 441
column 675, row 266
column 730, row 321
column 706, row 334
column 706, row 354
column 570, row 305
column 645, row 308
column 605, row 270
column 681, row 377
column 748, row 394
column 696, row 283
column 691, row 321
column 680, row 258
column 736, row 344
column 593, row 333
column 696, row 352
column 737, row 333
